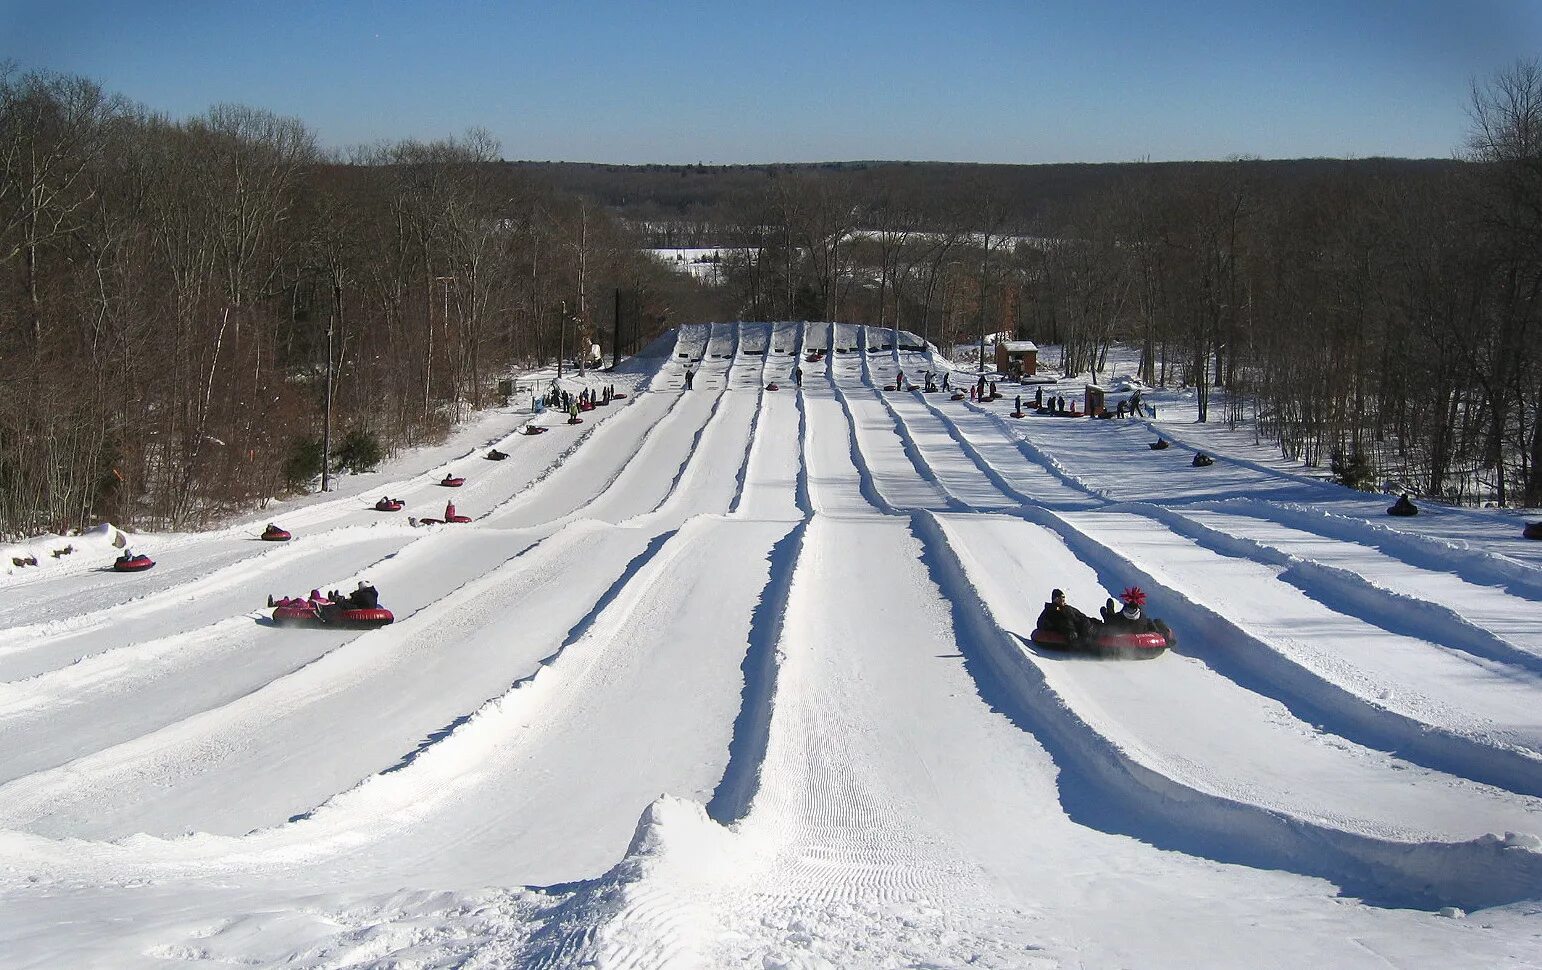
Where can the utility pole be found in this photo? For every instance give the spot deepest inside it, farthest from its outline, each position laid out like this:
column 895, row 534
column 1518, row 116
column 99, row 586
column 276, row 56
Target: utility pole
column 580, row 325
column 615, row 346
column 562, row 338
column 326, row 422
column 985, row 263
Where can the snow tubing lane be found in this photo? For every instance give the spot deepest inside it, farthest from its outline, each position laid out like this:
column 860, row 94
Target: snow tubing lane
column 305, row 616
column 136, row 565
column 1135, row 646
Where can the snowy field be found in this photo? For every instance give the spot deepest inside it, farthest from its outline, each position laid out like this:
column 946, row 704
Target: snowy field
column 735, row 677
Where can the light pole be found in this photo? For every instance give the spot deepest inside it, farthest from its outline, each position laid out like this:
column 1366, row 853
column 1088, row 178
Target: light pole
column 562, row 338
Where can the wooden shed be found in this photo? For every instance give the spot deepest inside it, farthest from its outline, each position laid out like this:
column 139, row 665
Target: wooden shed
column 1017, row 358
column 1094, row 399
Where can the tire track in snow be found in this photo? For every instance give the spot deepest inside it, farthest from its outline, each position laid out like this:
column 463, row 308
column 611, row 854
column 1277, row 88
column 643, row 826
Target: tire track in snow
column 1477, row 566
column 90, row 792
column 1257, row 663
column 1360, row 714
column 1400, row 599
column 38, row 648
column 1104, row 787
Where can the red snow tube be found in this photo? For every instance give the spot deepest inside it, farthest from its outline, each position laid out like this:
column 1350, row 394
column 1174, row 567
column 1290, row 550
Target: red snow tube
column 957, row 396
column 575, row 419
column 459, row 518
column 1141, row 646
column 294, row 613
column 773, row 386
column 138, row 564
column 379, row 616
column 392, row 506
column 304, row 614
column 535, row 429
column 618, row 397
column 275, row 535
column 452, row 482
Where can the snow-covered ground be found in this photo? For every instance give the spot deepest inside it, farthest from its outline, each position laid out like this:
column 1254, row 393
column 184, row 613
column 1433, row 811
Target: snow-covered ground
column 737, row 676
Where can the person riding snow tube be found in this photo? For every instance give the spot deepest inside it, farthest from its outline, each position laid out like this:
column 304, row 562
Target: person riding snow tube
column 131, row 562
column 1403, row 506
column 534, row 429
column 773, row 386
column 1123, row 633
column 387, row 504
column 496, row 455
column 452, row 481
column 1159, row 445
column 1533, row 530
column 1202, row 460
column 317, row 610
column 274, row 534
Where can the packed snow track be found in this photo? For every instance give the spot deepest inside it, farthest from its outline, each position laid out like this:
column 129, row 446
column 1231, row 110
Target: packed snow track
column 737, row 672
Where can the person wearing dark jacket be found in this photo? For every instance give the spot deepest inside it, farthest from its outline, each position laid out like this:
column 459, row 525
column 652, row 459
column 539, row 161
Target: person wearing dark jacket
column 366, row 597
column 1065, row 619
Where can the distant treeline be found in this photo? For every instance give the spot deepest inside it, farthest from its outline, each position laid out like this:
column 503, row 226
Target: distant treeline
column 170, row 292
column 688, row 205
column 1380, row 312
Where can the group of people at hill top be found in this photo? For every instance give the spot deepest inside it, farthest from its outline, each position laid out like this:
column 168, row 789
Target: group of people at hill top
column 559, row 400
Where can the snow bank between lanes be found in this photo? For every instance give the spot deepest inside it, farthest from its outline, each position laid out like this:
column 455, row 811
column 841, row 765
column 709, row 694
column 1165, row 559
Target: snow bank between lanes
column 1104, row 787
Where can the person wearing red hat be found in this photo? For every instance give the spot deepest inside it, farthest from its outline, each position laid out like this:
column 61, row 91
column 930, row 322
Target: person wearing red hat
column 1132, row 619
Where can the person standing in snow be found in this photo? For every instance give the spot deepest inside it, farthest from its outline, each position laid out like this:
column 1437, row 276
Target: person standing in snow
column 690, row 375
column 797, row 376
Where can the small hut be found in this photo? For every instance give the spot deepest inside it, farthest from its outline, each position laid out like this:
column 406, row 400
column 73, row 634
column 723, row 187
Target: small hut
column 1017, row 358
column 1094, row 399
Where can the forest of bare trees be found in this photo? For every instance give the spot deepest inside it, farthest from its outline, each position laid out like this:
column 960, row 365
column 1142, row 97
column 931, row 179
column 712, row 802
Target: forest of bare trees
column 171, row 291
column 1379, row 316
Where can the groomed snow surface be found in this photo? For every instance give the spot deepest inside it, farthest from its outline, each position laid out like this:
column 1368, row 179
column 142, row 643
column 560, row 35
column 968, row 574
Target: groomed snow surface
column 739, row 677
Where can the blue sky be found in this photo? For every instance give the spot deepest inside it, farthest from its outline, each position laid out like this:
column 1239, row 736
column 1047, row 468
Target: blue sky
column 723, row 82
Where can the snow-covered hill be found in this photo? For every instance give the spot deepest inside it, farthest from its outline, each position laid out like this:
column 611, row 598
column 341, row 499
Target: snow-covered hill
column 732, row 676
